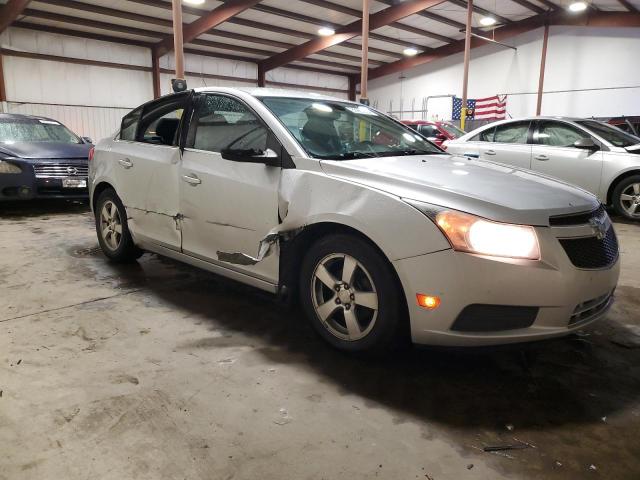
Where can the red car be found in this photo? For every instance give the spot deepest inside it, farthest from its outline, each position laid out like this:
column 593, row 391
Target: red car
column 436, row 132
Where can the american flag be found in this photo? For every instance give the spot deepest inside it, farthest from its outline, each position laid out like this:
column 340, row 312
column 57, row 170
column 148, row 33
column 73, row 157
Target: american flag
column 489, row 108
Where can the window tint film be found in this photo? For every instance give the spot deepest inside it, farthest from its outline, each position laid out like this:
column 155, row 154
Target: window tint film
column 129, row 125
column 512, row 133
column 223, row 123
column 558, row 134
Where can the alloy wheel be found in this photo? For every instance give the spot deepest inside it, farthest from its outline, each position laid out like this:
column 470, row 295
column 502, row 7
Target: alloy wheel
column 344, row 297
column 630, row 199
column 111, row 225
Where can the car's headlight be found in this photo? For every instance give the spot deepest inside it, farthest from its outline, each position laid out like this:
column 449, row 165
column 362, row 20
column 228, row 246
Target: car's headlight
column 6, row 167
column 468, row 233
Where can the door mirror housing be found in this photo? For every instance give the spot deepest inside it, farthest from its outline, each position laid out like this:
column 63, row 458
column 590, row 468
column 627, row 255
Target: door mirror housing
column 252, row 155
column 586, row 144
column 441, row 136
column 87, row 140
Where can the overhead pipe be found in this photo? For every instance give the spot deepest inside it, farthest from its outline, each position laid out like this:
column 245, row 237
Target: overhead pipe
column 543, row 61
column 364, row 67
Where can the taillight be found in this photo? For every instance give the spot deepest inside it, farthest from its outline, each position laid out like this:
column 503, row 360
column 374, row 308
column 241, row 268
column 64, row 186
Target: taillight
column 92, row 150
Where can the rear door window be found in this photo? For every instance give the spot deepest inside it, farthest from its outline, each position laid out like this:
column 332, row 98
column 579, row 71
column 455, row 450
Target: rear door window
column 129, row 125
column 517, row 132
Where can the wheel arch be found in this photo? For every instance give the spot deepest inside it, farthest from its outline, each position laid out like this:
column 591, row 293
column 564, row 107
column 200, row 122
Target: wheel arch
column 292, row 253
column 97, row 190
column 617, row 180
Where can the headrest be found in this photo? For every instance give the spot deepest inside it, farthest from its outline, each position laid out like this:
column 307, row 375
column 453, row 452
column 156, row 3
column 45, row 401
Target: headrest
column 166, row 129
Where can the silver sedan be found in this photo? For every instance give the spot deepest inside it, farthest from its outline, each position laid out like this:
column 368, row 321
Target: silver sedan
column 593, row 155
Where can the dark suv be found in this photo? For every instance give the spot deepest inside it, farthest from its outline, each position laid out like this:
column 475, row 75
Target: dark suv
column 40, row 157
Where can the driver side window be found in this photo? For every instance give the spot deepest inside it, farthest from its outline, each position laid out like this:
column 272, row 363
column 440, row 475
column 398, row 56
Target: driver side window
column 222, row 123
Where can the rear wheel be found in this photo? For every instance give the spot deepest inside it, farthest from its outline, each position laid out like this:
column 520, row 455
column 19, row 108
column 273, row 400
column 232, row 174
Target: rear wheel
column 112, row 229
column 626, row 197
column 349, row 292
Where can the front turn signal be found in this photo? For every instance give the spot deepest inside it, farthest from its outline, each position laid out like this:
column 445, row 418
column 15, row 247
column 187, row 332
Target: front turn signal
column 430, row 302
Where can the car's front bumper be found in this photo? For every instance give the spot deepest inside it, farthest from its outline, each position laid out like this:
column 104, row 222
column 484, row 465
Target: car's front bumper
column 567, row 298
column 26, row 186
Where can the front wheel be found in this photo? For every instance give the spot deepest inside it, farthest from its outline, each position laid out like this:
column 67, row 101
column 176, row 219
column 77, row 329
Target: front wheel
column 350, row 293
column 626, row 197
column 113, row 230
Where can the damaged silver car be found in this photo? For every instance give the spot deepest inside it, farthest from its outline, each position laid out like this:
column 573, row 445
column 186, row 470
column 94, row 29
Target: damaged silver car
column 379, row 233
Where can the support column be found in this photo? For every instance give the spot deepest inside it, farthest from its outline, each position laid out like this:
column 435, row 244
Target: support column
column 543, row 61
column 3, row 89
column 467, row 54
column 352, row 87
column 262, row 76
column 177, row 38
column 155, row 72
column 364, row 68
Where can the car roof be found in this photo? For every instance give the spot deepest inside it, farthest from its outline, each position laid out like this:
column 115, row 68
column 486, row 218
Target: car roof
column 19, row 117
column 271, row 92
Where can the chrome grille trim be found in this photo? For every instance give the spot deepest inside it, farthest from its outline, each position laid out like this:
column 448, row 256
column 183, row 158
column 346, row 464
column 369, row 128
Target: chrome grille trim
column 60, row 170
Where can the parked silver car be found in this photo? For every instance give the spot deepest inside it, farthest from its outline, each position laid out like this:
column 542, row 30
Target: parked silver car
column 593, row 155
column 378, row 232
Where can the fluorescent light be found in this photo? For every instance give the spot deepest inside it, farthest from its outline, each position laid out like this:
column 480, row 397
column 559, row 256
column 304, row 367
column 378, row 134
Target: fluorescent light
column 326, row 31
column 578, row 6
column 487, row 21
column 410, row 52
column 194, row 2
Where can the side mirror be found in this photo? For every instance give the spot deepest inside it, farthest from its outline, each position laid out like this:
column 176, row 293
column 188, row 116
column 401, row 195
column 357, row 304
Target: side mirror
column 586, row 144
column 441, row 136
column 87, row 140
column 251, row 155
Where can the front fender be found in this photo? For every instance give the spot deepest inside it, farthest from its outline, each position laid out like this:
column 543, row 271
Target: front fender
column 398, row 229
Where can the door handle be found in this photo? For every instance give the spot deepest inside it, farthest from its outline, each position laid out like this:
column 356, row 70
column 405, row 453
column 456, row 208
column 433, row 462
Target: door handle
column 192, row 180
column 542, row 158
column 125, row 162
column 490, row 152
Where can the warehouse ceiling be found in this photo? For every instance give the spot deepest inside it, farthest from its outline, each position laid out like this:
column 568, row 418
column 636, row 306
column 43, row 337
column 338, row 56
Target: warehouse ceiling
column 270, row 27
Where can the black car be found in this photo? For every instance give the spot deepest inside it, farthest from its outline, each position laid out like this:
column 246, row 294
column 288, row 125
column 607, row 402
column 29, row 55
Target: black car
column 41, row 158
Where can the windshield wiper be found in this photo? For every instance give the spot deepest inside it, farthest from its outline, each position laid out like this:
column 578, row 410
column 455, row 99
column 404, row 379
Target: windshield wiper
column 348, row 156
column 412, row 151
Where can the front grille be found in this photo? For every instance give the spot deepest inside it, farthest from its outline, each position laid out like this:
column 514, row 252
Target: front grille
column 589, row 309
column 592, row 252
column 576, row 219
column 60, row 170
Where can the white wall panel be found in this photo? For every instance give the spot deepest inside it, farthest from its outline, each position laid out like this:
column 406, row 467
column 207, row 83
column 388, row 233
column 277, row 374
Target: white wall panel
column 587, row 70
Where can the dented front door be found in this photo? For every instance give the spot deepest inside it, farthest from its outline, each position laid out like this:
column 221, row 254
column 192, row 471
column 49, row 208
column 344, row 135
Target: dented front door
column 228, row 207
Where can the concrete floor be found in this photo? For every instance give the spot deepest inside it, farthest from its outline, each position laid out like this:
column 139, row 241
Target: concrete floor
column 159, row 371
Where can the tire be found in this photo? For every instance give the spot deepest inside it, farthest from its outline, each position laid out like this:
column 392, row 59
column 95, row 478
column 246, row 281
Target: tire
column 116, row 243
column 626, row 197
column 373, row 284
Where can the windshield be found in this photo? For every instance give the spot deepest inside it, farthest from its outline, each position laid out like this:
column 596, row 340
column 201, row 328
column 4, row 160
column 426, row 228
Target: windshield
column 613, row 135
column 452, row 129
column 343, row 131
column 36, row 131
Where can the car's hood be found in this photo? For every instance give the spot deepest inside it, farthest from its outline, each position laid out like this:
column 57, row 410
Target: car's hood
column 483, row 188
column 42, row 150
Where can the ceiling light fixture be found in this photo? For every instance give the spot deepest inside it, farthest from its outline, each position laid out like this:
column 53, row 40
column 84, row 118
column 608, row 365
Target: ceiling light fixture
column 487, row 21
column 194, row 2
column 410, row 52
column 577, row 6
column 326, row 31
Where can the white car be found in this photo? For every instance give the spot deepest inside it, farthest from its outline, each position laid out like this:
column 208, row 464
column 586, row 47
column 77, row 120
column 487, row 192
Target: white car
column 593, row 155
column 378, row 232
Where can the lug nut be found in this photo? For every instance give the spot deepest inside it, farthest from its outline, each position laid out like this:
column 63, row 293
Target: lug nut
column 338, row 301
column 352, row 296
column 347, row 306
